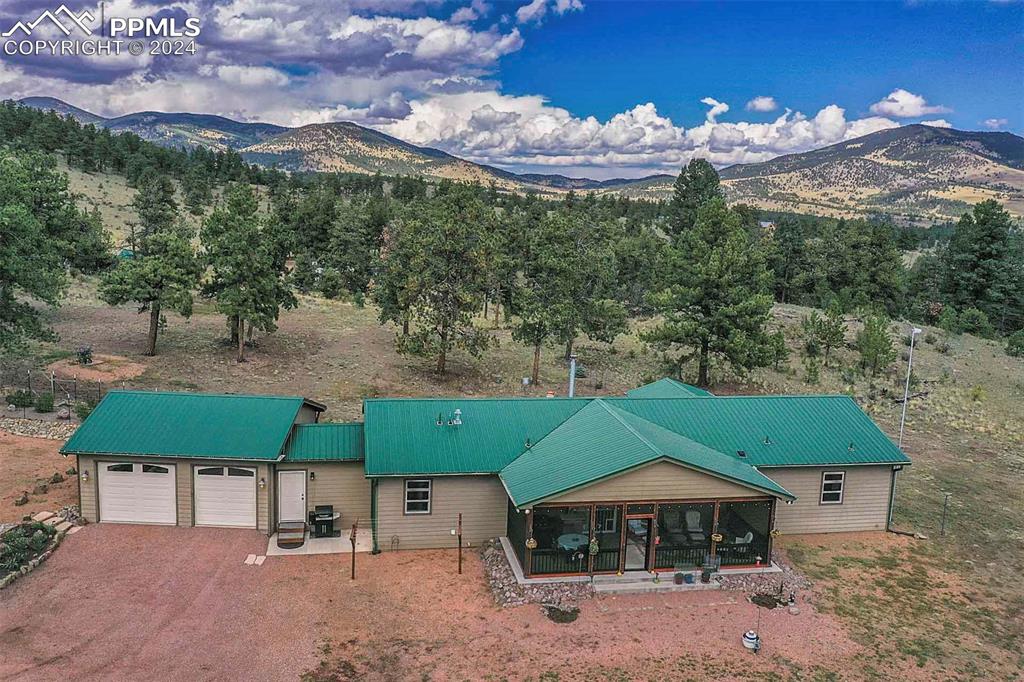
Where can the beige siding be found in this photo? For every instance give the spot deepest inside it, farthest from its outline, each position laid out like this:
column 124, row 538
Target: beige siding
column 658, row 481
column 480, row 499
column 341, row 484
column 865, row 500
column 183, row 483
column 306, row 415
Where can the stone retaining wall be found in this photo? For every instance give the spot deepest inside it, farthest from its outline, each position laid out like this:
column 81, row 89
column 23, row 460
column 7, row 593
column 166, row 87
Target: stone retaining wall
column 37, row 428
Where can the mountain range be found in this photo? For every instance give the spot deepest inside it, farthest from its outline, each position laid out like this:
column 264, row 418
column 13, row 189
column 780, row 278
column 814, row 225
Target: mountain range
column 912, row 173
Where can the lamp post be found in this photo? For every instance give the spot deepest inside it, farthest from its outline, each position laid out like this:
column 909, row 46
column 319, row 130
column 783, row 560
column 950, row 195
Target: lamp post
column 906, row 389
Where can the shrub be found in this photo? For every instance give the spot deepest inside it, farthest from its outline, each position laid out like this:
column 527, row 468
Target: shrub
column 331, row 285
column 974, row 321
column 84, row 355
column 44, row 402
column 20, row 398
column 930, row 339
column 84, row 408
column 1015, row 344
column 23, row 543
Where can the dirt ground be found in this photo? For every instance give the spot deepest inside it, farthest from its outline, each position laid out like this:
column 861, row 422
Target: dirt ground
column 134, row 602
column 23, row 461
column 104, row 369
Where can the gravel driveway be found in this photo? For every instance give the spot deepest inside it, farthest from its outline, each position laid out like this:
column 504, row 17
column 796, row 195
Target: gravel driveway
column 146, row 602
column 128, row 602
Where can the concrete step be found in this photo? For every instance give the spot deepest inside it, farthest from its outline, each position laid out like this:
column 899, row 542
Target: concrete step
column 42, row 516
column 651, row 586
column 53, row 521
column 63, row 527
column 74, row 529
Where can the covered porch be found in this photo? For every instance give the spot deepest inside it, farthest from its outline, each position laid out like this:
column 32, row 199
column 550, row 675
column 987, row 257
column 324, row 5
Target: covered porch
column 594, row 538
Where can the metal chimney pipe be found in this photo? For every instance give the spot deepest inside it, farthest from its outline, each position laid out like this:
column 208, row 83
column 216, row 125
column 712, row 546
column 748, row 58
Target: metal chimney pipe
column 572, row 375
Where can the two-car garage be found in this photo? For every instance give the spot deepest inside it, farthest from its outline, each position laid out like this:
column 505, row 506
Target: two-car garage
column 140, row 492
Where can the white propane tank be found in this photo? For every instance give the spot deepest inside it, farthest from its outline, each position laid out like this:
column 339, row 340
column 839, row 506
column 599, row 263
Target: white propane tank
column 751, row 640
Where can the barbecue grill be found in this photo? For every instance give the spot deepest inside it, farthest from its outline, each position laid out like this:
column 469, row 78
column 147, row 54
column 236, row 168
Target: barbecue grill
column 322, row 519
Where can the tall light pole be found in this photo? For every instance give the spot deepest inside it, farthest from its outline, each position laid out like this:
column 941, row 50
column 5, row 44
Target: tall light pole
column 906, row 389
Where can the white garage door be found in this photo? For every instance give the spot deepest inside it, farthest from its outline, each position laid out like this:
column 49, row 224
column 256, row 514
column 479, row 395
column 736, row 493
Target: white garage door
column 225, row 496
column 137, row 493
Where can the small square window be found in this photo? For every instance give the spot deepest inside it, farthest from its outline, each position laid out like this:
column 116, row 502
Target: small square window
column 417, row 496
column 833, row 484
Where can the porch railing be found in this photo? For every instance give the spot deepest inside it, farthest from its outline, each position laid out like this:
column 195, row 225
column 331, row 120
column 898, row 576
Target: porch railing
column 669, row 556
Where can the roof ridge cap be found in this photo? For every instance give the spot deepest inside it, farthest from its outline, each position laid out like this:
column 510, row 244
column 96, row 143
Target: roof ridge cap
column 630, row 427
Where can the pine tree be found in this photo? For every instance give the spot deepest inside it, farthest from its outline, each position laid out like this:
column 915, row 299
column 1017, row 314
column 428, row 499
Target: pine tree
column 715, row 301
column 161, row 278
column 247, row 269
column 442, row 279
column 832, row 329
column 42, row 231
column 874, row 343
column 696, row 185
column 978, row 262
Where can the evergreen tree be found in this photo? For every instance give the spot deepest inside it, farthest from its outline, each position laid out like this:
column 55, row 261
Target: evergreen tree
column 978, row 262
column 832, row 329
column 160, row 277
column 874, row 343
column 696, row 185
column 442, row 280
column 247, row 268
column 156, row 209
column 715, row 301
column 42, row 232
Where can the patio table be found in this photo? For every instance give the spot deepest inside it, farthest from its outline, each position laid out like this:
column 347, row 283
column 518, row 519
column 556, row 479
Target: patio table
column 571, row 541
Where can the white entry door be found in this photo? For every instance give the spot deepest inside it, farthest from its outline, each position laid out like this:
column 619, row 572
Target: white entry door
column 136, row 492
column 225, row 496
column 291, row 495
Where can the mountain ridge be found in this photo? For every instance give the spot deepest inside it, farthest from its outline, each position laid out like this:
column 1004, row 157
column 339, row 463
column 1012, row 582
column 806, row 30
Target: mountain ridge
column 912, row 172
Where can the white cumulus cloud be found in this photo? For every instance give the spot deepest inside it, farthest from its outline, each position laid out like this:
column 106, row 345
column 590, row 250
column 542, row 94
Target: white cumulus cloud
column 762, row 103
column 937, row 123
column 995, row 123
column 903, row 104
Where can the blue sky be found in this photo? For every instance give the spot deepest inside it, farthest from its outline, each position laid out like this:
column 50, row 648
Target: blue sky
column 582, row 87
column 968, row 56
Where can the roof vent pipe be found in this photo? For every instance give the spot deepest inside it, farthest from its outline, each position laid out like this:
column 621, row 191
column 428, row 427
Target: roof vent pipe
column 572, row 375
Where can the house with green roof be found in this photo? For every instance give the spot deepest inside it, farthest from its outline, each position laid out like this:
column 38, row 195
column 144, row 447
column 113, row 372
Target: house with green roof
column 668, row 477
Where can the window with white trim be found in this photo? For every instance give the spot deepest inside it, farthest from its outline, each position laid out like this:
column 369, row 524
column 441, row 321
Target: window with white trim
column 832, row 485
column 417, row 495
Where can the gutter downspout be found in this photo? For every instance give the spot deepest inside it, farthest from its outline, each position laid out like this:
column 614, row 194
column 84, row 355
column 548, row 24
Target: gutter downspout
column 373, row 516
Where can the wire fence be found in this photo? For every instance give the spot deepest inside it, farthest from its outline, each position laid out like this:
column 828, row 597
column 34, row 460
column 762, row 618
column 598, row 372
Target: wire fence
column 19, row 377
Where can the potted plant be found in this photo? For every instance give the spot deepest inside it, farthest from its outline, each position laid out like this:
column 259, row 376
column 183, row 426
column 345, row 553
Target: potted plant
column 679, row 575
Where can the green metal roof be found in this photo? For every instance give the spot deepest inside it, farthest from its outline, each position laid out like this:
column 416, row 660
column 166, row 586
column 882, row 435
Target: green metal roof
column 667, row 388
column 403, row 437
column 806, row 430
column 325, row 442
column 149, row 423
column 602, row 440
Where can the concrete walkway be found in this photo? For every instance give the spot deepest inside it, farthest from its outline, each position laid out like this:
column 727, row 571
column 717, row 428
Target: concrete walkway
column 339, row 545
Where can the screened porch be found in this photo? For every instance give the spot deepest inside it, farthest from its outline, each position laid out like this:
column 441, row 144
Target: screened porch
column 670, row 535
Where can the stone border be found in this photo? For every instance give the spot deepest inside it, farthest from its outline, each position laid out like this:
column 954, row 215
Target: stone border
column 37, row 428
column 33, row 563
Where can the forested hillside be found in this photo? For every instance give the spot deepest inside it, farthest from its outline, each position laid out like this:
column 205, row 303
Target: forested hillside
column 432, row 256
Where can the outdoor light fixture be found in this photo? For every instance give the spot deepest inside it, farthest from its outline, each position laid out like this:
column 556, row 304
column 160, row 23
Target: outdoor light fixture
column 85, row 476
column 312, row 475
column 262, row 484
